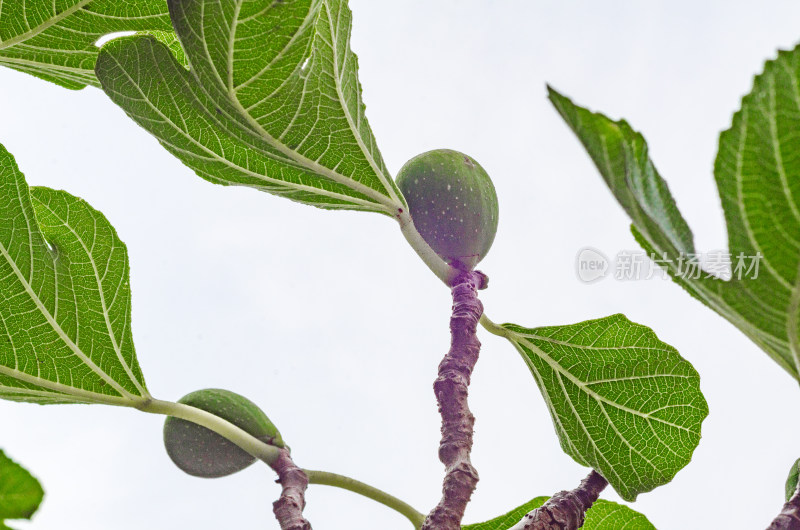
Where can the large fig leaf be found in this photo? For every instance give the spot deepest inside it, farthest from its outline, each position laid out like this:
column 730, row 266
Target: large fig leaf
column 758, row 176
column 65, row 301
column 271, row 101
column 56, row 40
column 622, row 401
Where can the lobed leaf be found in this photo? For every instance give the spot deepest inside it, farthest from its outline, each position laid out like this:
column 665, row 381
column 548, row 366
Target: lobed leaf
column 20, row 492
column 757, row 171
column 623, row 402
column 272, row 100
column 55, row 40
column 65, row 334
column 603, row 515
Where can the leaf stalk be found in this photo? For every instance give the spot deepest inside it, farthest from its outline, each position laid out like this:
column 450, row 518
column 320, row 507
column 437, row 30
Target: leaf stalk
column 261, row 450
column 326, row 478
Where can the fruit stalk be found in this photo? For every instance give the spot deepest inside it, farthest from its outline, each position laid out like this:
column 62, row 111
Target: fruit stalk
column 451, row 389
column 435, row 263
column 789, row 518
column 288, row 509
column 565, row 510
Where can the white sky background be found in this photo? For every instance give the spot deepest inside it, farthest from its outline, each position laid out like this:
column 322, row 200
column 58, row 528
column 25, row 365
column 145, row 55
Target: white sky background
column 331, row 323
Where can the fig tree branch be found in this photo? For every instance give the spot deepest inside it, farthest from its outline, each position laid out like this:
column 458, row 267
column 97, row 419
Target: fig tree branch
column 451, row 389
column 789, row 518
column 565, row 510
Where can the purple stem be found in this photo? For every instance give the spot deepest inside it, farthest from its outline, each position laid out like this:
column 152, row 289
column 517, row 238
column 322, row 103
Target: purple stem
column 789, row 518
column 451, row 393
column 565, row 510
column 288, row 509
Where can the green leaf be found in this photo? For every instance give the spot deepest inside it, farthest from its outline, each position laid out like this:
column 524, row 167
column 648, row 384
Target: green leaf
column 20, row 492
column 756, row 172
column 623, row 402
column 603, row 515
column 171, row 41
column 272, row 100
column 65, row 334
column 791, row 480
column 621, row 155
column 55, row 41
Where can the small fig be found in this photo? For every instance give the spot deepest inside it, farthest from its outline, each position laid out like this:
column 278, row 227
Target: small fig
column 791, row 481
column 201, row 452
column 453, row 204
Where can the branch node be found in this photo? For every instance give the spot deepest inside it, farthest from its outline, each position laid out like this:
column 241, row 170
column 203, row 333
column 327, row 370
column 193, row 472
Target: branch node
column 288, row 509
column 566, row 510
column 789, row 518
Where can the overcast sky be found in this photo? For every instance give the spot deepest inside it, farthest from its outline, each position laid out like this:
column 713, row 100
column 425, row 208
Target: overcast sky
column 333, row 325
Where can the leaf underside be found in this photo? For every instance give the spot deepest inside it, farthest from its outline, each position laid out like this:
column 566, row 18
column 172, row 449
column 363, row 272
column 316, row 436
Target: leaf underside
column 603, row 515
column 65, row 334
column 792, row 479
column 20, row 492
column 757, row 171
column 623, row 402
column 55, row 40
column 272, row 100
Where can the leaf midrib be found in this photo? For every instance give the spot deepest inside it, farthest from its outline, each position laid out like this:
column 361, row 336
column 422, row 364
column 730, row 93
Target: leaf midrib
column 389, row 203
column 356, row 133
column 776, row 150
column 739, row 178
column 306, row 21
column 583, row 427
column 559, row 374
column 61, row 389
column 43, row 26
column 792, row 322
column 216, row 157
column 755, row 333
column 142, row 391
column 594, row 395
column 60, row 332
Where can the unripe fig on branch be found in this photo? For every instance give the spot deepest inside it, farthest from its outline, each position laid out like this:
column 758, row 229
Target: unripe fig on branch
column 201, row 452
column 453, row 204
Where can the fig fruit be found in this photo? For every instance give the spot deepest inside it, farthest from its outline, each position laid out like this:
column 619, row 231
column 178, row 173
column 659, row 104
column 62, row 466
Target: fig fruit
column 453, row 204
column 201, row 452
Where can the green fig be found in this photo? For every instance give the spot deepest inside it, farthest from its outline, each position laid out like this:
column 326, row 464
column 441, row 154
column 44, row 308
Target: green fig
column 453, row 204
column 791, row 481
column 200, row 451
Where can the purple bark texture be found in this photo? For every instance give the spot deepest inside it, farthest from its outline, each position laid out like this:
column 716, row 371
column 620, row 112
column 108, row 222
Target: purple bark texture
column 451, row 394
column 789, row 518
column 565, row 510
column 288, row 509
